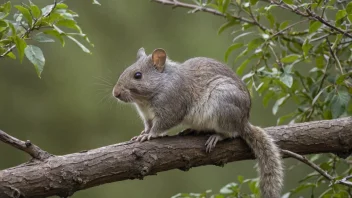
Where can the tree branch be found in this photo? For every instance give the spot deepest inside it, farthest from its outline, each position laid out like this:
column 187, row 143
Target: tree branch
column 196, row 8
column 317, row 168
column 27, row 146
column 64, row 175
column 309, row 14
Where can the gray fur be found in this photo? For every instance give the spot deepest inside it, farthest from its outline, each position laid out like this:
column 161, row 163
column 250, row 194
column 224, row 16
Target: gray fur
column 205, row 95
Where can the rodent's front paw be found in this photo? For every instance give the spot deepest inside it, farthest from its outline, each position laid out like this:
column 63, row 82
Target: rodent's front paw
column 144, row 132
column 144, row 137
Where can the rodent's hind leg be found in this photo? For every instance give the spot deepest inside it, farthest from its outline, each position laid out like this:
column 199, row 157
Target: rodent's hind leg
column 235, row 135
column 212, row 140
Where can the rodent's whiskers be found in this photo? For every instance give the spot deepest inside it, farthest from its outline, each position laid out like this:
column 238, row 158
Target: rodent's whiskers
column 104, row 81
column 105, row 89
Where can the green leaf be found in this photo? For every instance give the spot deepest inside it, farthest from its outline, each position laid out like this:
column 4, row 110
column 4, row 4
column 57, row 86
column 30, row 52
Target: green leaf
column 279, row 103
column 25, row 13
column 35, row 10
column 289, row 2
column 56, row 34
column 349, row 8
column 339, row 103
column 20, row 45
column 5, row 9
column 47, row 9
column 283, row 25
column 225, row 5
column 79, row 44
column 41, row 37
column 3, row 25
column 253, row 186
column 317, row 96
column 306, row 47
column 240, row 178
column 11, row 55
column 69, row 24
column 241, row 35
column 96, row 2
column 287, row 79
column 320, row 62
column 228, row 189
column 342, row 78
column 253, row 44
column 350, row 18
column 253, row 2
column 241, row 68
column 340, row 14
column 267, row 97
column 270, row 18
column 231, row 48
column 35, row 55
column 243, row 53
column 285, row 117
column 61, row 6
column 290, row 58
column 227, row 25
column 302, row 187
column 314, row 26
column 13, row 29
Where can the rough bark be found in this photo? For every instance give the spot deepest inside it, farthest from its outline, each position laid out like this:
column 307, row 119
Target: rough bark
column 64, row 175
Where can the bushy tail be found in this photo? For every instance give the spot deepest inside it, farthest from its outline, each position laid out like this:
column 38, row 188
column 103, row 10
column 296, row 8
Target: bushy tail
column 269, row 160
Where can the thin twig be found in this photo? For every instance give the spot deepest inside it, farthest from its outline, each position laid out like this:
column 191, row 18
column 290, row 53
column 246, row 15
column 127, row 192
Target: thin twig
column 318, row 169
column 276, row 57
column 310, row 15
column 333, row 54
column 320, row 38
column 288, row 27
column 319, row 89
column 27, row 146
column 196, row 8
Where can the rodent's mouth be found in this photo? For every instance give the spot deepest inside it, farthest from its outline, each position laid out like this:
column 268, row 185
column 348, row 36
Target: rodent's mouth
column 124, row 98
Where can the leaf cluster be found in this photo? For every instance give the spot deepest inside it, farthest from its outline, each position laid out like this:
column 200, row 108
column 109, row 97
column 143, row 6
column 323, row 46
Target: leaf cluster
column 21, row 26
column 292, row 52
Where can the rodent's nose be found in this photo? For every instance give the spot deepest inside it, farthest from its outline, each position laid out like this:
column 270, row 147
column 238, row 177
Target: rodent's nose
column 116, row 93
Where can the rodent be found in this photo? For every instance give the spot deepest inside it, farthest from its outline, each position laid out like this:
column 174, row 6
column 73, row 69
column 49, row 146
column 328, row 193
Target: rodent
column 203, row 94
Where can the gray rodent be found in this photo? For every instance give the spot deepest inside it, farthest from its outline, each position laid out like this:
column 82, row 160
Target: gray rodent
column 203, row 94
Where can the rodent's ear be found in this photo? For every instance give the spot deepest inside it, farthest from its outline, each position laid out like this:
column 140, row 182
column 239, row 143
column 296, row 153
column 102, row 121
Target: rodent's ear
column 159, row 59
column 140, row 53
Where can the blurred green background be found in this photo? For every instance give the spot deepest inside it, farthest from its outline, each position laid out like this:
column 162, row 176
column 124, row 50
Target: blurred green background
column 71, row 108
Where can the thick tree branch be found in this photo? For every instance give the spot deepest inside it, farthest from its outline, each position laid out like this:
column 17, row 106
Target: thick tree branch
column 64, row 175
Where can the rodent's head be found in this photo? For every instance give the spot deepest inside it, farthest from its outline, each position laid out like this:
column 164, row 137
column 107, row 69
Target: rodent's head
column 140, row 81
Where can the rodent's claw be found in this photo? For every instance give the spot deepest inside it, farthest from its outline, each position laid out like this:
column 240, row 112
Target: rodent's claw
column 144, row 137
column 134, row 138
column 211, row 142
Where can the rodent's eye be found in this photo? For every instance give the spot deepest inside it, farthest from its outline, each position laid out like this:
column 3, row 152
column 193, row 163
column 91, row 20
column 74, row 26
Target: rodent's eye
column 137, row 75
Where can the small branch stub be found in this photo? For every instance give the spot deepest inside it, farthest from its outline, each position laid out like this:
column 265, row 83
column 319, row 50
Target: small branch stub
column 27, row 146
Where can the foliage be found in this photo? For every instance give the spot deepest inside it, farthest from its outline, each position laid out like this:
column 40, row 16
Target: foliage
column 303, row 58
column 22, row 25
column 275, row 54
